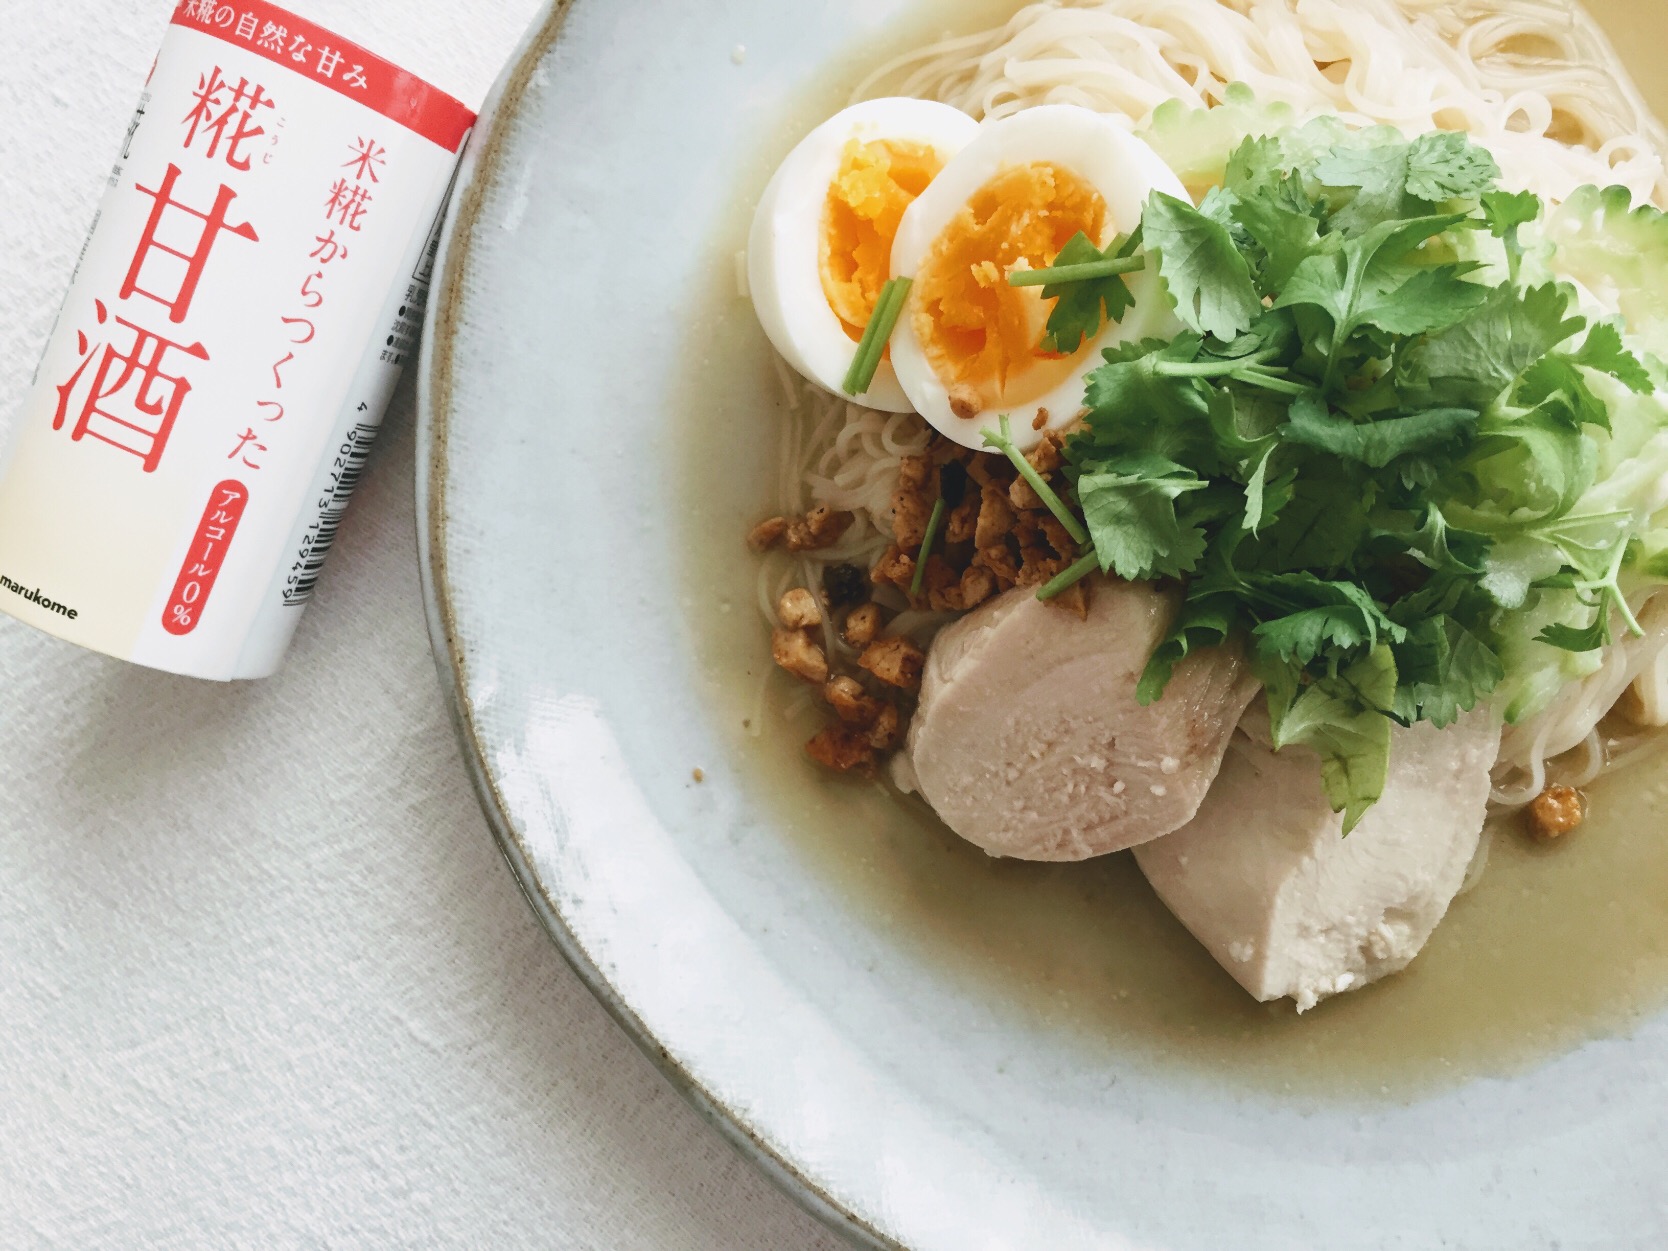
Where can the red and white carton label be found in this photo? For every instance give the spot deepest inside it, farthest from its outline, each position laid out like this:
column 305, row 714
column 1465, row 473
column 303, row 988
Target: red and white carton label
column 253, row 284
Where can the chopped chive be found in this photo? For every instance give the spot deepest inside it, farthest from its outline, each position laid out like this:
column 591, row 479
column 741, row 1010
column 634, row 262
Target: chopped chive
column 926, row 546
column 1005, row 443
column 873, row 344
column 1070, row 576
column 1076, row 273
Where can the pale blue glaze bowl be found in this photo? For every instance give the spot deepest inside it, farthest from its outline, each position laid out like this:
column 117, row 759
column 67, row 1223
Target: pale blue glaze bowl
column 892, row 1100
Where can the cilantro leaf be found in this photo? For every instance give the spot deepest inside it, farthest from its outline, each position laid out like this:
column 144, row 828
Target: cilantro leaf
column 1205, row 274
column 1203, row 621
column 1473, row 672
column 1240, row 424
column 1418, row 300
column 1339, row 615
column 1136, row 404
column 1422, row 658
column 1284, row 234
column 1320, row 527
column 1217, row 205
column 1593, row 544
column 1446, row 165
column 1130, row 507
column 1366, row 284
column 1505, row 211
column 1444, row 670
column 1442, row 547
column 1603, row 350
column 1578, row 639
column 1377, row 172
column 1264, row 499
column 1474, row 360
column 1337, row 284
column 1377, row 443
column 1598, row 581
column 1081, row 308
column 1344, row 720
column 1393, row 178
column 1555, row 386
column 1135, row 349
column 1256, row 168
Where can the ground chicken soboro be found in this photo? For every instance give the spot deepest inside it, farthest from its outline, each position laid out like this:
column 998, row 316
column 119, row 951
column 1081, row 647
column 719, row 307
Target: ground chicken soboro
column 1557, row 811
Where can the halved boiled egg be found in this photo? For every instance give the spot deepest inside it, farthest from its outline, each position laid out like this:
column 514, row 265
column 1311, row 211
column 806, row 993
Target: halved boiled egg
column 821, row 244
column 969, row 346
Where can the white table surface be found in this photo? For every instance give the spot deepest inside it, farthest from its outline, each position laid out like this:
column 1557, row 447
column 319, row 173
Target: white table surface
column 264, row 980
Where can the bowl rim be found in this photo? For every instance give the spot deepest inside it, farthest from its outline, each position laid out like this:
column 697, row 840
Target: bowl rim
column 479, row 165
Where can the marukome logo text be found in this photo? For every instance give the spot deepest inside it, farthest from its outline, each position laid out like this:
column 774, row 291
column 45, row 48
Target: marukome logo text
column 34, row 596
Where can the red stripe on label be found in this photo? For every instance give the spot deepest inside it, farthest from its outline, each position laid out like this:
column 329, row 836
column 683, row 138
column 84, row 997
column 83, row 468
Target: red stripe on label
column 205, row 557
column 315, row 53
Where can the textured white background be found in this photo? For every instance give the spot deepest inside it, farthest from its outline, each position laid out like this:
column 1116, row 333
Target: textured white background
column 264, row 981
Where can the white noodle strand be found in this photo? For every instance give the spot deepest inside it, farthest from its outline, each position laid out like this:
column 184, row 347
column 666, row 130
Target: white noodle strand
column 1514, row 73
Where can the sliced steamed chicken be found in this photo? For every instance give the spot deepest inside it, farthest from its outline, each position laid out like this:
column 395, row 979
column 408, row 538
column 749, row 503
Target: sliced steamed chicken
column 969, row 346
column 1264, row 877
column 821, row 244
column 1029, row 740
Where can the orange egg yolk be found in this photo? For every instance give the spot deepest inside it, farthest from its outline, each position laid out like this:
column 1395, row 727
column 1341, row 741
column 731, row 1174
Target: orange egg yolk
column 876, row 182
column 981, row 336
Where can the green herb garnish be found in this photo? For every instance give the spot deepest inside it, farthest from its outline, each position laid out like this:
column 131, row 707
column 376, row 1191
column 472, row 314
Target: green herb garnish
column 1061, row 274
column 1069, row 577
column 1087, row 286
column 930, row 534
column 872, row 346
column 1203, row 268
column 1378, row 451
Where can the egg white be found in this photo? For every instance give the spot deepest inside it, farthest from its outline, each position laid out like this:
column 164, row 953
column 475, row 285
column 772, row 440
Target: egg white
column 1119, row 166
column 783, row 267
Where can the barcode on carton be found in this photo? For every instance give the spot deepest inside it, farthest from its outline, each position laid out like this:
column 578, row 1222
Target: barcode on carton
column 347, row 468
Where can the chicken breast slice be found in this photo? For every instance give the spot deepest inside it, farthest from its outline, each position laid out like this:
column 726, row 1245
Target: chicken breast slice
column 1265, row 879
column 1030, row 743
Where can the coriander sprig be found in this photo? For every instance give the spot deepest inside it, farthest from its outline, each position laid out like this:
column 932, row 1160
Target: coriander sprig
column 872, row 345
column 1367, row 454
column 1087, row 286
